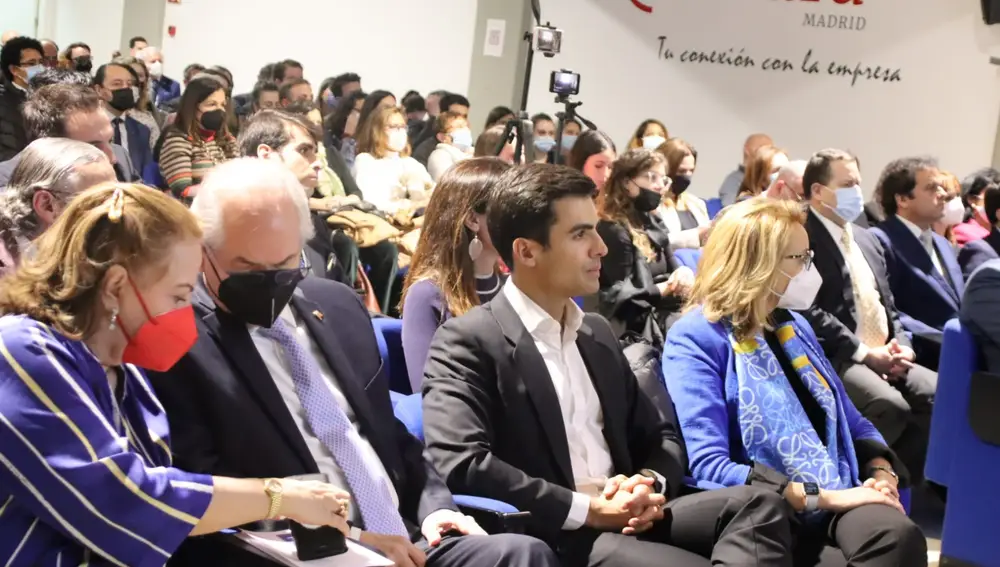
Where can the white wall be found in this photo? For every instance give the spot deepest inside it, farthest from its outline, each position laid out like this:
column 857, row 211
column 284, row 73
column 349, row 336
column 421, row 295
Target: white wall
column 98, row 23
column 393, row 44
column 19, row 15
column 946, row 104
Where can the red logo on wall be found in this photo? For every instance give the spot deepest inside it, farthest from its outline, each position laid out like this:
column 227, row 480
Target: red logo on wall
column 644, row 7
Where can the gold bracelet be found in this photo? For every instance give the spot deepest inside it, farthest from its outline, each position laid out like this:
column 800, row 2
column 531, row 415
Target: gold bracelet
column 274, row 490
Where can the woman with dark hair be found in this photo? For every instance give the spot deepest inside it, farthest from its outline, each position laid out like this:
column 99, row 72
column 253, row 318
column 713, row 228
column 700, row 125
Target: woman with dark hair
column 325, row 101
column 650, row 135
column 976, row 224
column 499, row 117
column 342, row 125
column 373, row 102
column 761, row 171
column 593, row 154
column 684, row 215
column 199, row 138
column 642, row 286
column 226, row 77
column 455, row 265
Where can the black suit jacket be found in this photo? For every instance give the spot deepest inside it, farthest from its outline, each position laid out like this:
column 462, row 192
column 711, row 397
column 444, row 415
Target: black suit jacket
column 227, row 417
column 978, row 252
column 834, row 315
column 139, row 151
column 493, row 426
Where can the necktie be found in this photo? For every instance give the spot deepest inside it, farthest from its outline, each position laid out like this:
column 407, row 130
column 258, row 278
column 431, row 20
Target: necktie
column 333, row 428
column 117, row 123
column 873, row 325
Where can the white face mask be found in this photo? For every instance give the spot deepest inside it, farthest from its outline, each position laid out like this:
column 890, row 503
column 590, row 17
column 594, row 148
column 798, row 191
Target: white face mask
column 801, row 290
column 954, row 212
column 156, row 69
column 397, row 140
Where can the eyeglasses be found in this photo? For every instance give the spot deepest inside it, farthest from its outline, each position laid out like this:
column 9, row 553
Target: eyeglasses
column 655, row 179
column 806, row 258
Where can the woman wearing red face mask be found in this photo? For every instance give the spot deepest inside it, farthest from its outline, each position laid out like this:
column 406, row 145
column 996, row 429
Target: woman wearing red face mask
column 85, row 465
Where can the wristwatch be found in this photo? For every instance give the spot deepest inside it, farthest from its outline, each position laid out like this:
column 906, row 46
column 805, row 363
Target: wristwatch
column 890, row 472
column 812, row 496
column 274, row 490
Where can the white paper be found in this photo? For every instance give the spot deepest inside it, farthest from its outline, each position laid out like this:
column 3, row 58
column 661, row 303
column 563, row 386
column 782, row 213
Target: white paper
column 280, row 547
column 495, row 31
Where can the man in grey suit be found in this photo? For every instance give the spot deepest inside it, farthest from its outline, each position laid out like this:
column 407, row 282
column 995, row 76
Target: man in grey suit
column 71, row 111
column 981, row 311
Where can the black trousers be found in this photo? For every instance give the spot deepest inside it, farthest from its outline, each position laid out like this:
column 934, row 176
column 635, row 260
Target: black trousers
column 381, row 259
column 737, row 527
column 900, row 410
column 869, row 536
column 502, row 550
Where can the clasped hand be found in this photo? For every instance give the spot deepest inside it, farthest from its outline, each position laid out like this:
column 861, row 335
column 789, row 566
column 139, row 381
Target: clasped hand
column 892, row 360
column 627, row 504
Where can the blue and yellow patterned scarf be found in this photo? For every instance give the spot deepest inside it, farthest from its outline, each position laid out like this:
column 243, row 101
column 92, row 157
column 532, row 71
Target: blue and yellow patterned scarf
column 775, row 427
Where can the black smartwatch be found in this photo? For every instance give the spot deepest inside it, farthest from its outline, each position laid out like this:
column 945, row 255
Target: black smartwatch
column 812, row 496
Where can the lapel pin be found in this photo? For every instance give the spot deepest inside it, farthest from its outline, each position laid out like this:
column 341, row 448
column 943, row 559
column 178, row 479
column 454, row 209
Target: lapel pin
column 318, row 315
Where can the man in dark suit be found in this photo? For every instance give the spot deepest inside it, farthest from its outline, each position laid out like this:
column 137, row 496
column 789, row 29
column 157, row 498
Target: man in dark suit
column 978, row 252
column 531, row 401
column 20, row 58
column 924, row 275
column 854, row 314
column 116, row 85
column 285, row 379
column 981, row 311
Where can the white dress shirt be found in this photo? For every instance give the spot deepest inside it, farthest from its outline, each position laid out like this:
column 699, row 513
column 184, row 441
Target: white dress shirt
column 866, row 277
column 277, row 365
column 926, row 239
column 579, row 404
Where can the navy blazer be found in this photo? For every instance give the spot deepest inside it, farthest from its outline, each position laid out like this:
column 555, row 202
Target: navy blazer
column 227, row 417
column 139, row 150
column 978, row 252
column 926, row 300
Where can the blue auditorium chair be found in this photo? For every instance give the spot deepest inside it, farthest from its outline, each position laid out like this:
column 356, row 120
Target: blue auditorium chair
column 959, row 359
column 152, row 177
column 389, row 335
column 714, row 206
column 688, row 257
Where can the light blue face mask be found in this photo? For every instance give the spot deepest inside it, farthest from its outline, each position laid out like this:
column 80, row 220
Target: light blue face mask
column 34, row 70
column 461, row 139
column 850, row 203
column 545, row 144
column 568, row 141
column 773, row 178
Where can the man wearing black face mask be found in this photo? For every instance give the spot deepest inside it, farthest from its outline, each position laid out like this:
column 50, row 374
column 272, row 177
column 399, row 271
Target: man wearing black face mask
column 79, row 55
column 116, row 85
column 285, row 379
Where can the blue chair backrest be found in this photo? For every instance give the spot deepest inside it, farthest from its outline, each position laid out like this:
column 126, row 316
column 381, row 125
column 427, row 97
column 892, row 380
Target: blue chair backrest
column 151, row 176
column 959, row 360
column 688, row 257
column 389, row 335
column 714, row 206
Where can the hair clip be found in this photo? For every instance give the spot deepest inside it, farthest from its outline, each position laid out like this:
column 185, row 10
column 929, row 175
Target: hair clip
column 117, row 206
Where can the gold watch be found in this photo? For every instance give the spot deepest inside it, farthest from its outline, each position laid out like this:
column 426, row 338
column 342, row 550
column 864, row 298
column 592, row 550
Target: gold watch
column 274, row 490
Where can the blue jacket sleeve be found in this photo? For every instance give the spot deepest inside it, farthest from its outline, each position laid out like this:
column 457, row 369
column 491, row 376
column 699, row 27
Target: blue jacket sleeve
column 695, row 364
column 64, row 462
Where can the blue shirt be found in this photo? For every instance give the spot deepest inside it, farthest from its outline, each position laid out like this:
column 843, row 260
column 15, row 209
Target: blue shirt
column 85, row 480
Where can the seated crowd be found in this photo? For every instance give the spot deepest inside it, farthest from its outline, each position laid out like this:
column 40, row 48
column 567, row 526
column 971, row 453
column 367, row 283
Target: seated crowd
column 190, row 278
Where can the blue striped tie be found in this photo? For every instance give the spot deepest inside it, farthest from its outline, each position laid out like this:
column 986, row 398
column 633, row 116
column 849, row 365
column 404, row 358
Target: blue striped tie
column 333, row 428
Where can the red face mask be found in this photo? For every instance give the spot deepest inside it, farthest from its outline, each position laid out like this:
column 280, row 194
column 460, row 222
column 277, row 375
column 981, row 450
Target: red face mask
column 162, row 340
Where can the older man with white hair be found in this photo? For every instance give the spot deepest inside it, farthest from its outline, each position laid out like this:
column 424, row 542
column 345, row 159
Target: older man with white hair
column 163, row 89
column 286, row 379
column 788, row 183
column 50, row 172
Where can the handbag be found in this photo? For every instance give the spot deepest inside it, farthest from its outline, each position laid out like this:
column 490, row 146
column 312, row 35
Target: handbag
column 365, row 228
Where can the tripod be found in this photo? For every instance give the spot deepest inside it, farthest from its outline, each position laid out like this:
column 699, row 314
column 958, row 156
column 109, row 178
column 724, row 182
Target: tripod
column 520, row 129
column 568, row 115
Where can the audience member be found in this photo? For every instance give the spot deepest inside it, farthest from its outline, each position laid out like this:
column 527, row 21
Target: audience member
column 325, row 101
column 924, row 275
column 454, row 144
column 788, row 183
column 293, row 71
column 854, row 314
column 295, row 90
column 488, row 142
column 749, row 381
column 761, row 171
column 594, row 155
column 8, row 35
column 109, row 292
column 59, row 77
column 426, row 142
column 190, row 72
column 144, row 111
column 734, row 181
column 342, row 126
column 499, row 116
column 455, row 265
column 571, row 131
column 164, row 88
column 977, row 252
column 954, row 208
column 388, row 177
column 137, row 44
column 433, row 103
column 642, row 287
column 21, row 58
column 684, row 214
column 293, row 354
column 544, row 135
column 50, row 172
column 416, row 113
column 115, row 84
column 567, row 465
column 975, row 225
column 79, row 57
column 199, row 138
column 345, row 84
column 374, row 102
column 50, row 53
column 71, row 111
column 650, row 134
column 266, row 95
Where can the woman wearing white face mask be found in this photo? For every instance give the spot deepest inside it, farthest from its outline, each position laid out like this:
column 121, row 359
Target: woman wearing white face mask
column 454, row 144
column 386, row 174
column 749, row 379
column 954, row 208
column 650, row 135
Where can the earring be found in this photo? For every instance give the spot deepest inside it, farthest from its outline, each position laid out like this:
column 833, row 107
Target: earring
column 114, row 319
column 475, row 248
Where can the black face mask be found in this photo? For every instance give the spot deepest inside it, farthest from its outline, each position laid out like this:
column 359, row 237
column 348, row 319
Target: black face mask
column 213, row 120
column 122, row 99
column 257, row 298
column 680, row 184
column 83, row 64
column 647, row 200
